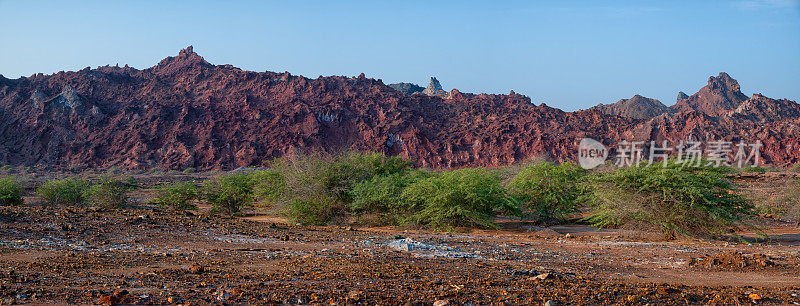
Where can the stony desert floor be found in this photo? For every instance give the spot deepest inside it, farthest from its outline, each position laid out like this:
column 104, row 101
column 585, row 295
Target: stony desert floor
column 149, row 255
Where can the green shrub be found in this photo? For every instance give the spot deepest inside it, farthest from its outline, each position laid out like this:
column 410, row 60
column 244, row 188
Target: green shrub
column 548, row 192
column 178, row 196
column 380, row 197
column 695, row 201
column 325, row 183
column 269, row 186
column 10, row 192
column 7, row 169
column 341, row 174
column 316, row 211
column 189, row 170
column 229, row 193
column 68, row 191
column 108, row 193
column 459, row 198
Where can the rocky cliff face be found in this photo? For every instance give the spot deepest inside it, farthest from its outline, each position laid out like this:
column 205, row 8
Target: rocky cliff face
column 186, row 112
column 637, row 107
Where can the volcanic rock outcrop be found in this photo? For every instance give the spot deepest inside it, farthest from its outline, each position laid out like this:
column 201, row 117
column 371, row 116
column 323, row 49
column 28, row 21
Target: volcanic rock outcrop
column 185, row 112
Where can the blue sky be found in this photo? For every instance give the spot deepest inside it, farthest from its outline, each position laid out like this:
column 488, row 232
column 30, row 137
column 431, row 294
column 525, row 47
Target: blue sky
column 567, row 54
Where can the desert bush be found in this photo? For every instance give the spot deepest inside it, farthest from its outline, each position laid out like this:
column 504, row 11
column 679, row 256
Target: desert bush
column 68, row 191
column 10, row 192
column 317, row 211
column 781, row 199
column 269, row 186
column 324, row 184
column 340, row 175
column 178, row 196
column 379, row 198
column 108, row 193
column 548, row 192
column 696, row 201
column 793, row 199
column 229, row 193
column 468, row 197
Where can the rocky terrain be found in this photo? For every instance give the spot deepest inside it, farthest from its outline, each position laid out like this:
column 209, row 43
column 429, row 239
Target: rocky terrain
column 185, row 112
column 146, row 254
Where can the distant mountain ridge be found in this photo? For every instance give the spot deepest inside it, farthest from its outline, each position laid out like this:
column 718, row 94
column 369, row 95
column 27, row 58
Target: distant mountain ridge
column 185, row 112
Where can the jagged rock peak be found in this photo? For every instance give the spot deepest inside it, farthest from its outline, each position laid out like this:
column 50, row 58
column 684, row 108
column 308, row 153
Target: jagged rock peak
column 721, row 95
column 723, row 81
column 682, row 96
column 434, row 84
column 186, row 58
column 434, row 88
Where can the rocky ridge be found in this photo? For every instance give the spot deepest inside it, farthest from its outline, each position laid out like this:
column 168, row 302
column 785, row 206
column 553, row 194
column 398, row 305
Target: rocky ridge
column 185, row 112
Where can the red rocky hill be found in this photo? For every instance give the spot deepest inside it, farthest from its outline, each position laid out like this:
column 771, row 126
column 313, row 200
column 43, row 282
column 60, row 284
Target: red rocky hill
column 185, row 112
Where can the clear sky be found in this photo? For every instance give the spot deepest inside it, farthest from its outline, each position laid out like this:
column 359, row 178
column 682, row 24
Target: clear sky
column 568, row 54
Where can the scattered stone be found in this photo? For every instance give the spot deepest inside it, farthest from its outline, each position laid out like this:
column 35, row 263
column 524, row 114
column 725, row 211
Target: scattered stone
column 441, row 303
column 196, row 269
column 542, row 276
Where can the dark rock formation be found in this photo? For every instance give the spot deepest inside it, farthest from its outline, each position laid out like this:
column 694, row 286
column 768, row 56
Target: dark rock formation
column 681, row 96
column 407, row 88
column 637, row 107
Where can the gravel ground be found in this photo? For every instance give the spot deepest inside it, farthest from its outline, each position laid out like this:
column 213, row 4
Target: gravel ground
column 153, row 256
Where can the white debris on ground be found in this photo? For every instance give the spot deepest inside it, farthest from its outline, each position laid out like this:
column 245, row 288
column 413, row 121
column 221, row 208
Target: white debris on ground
column 427, row 250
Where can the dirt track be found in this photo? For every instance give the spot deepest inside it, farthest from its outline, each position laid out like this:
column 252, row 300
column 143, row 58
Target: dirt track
column 81, row 255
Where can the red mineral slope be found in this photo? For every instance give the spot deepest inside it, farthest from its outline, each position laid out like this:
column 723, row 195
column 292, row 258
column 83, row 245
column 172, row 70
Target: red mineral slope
column 185, row 112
